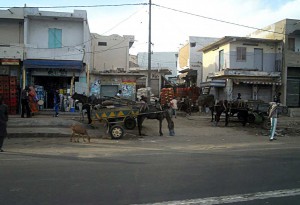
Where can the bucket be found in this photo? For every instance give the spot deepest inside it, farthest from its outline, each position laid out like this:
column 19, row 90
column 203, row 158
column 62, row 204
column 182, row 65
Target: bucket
column 72, row 109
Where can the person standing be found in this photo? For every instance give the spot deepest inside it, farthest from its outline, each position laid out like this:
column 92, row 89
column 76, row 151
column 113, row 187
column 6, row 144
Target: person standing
column 25, row 103
column 273, row 115
column 173, row 104
column 32, row 99
column 56, row 102
column 3, row 122
column 119, row 94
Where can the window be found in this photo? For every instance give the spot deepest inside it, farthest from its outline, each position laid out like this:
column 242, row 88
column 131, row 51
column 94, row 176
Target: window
column 241, row 53
column 221, row 59
column 193, row 44
column 291, row 44
column 54, row 38
column 102, row 43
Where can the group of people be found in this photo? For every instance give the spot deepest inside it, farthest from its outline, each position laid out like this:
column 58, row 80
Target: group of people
column 29, row 102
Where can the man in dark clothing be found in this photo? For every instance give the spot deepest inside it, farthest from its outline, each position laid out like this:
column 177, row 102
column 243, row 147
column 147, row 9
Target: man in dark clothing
column 3, row 122
column 56, row 102
column 25, row 102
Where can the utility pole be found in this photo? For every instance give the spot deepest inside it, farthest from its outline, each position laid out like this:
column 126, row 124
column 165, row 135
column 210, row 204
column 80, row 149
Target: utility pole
column 149, row 57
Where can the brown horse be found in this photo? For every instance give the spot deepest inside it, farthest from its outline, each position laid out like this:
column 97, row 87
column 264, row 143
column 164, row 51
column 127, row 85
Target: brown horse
column 153, row 112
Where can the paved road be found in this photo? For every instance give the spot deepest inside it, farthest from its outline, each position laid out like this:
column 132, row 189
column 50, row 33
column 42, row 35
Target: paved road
column 149, row 177
column 230, row 164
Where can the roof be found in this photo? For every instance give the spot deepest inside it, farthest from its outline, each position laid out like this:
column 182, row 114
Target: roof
column 228, row 39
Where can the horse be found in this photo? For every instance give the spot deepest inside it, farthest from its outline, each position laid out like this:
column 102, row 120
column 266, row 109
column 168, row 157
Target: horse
column 206, row 100
column 223, row 106
column 86, row 105
column 155, row 112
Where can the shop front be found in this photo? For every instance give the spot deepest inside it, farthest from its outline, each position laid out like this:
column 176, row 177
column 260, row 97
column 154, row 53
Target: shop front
column 10, row 83
column 50, row 75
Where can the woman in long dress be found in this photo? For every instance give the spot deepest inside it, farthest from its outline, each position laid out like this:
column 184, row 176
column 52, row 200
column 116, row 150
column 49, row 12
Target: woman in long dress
column 32, row 100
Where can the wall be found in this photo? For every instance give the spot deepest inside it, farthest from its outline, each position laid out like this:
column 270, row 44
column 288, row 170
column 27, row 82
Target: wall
column 125, row 83
column 269, row 56
column 159, row 60
column 211, row 61
column 11, row 38
column 112, row 56
column 183, row 56
column 37, row 39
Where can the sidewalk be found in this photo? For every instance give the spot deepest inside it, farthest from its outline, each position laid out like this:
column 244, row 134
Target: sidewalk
column 43, row 124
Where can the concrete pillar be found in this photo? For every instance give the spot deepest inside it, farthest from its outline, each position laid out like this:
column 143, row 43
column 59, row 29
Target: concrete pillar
column 229, row 89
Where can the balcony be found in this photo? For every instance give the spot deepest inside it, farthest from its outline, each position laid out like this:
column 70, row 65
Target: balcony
column 12, row 51
column 65, row 53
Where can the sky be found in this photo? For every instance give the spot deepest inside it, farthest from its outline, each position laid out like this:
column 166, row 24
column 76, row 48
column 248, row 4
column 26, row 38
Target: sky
column 173, row 21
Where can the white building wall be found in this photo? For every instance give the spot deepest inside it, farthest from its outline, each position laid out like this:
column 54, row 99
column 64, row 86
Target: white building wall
column 113, row 55
column 269, row 56
column 12, row 33
column 211, row 61
column 74, row 34
column 159, row 60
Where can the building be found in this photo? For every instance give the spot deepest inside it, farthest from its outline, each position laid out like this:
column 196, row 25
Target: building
column 163, row 70
column 109, row 70
column 11, row 55
column 190, row 59
column 167, row 60
column 287, row 31
column 249, row 66
column 57, row 51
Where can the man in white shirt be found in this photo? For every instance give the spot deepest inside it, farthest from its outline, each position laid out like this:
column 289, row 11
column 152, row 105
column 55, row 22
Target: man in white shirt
column 173, row 104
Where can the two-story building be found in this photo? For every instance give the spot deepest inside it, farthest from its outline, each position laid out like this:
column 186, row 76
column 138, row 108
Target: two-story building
column 57, row 50
column 11, row 55
column 287, row 31
column 249, row 66
column 190, row 59
column 109, row 70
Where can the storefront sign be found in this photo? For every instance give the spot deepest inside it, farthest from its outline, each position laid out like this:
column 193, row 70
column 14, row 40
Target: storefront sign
column 57, row 72
column 10, row 62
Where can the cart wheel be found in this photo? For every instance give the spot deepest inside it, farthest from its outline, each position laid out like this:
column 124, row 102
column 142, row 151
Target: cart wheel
column 130, row 123
column 116, row 132
column 251, row 118
column 266, row 124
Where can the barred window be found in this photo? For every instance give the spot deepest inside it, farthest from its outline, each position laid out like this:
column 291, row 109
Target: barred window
column 241, row 53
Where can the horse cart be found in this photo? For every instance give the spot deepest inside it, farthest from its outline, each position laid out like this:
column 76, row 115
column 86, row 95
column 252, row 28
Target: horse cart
column 116, row 118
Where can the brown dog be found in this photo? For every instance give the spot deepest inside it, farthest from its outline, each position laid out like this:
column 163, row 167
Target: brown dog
column 78, row 130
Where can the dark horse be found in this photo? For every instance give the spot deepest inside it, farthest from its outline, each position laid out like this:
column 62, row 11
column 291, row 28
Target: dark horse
column 223, row 106
column 155, row 112
column 87, row 103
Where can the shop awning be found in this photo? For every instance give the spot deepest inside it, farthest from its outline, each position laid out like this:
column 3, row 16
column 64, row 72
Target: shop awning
column 259, row 81
column 214, row 83
column 53, row 64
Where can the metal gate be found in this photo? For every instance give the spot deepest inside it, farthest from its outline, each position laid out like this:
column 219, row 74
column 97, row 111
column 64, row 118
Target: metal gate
column 108, row 90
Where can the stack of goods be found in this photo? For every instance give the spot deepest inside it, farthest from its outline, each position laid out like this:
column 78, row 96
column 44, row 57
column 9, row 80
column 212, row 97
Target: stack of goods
column 40, row 95
column 166, row 95
column 194, row 93
column 141, row 92
column 13, row 95
column 8, row 90
column 4, row 88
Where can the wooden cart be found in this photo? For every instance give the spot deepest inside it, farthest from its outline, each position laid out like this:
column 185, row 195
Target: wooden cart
column 116, row 118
